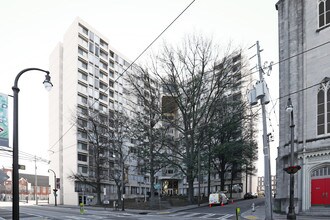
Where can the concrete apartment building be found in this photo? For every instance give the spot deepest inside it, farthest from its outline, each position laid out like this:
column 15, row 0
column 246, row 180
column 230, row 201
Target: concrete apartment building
column 304, row 68
column 85, row 70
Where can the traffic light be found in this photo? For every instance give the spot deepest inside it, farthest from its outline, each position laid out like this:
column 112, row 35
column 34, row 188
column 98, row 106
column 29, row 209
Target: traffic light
column 58, row 183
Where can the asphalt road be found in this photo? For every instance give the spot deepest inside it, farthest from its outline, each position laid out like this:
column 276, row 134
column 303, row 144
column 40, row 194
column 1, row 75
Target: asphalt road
column 62, row 213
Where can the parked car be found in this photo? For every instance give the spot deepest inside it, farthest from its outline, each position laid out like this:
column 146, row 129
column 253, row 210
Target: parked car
column 218, row 199
column 249, row 195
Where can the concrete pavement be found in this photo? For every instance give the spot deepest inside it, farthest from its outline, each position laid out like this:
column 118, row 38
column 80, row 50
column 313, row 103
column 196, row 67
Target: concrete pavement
column 259, row 213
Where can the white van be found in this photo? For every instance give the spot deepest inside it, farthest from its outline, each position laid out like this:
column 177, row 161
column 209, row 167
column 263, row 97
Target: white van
column 217, row 199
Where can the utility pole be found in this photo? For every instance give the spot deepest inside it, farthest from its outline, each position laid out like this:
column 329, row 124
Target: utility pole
column 261, row 92
column 35, row 180
column 267, row 178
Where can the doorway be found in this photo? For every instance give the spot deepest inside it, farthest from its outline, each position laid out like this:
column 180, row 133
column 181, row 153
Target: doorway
column 320, row 186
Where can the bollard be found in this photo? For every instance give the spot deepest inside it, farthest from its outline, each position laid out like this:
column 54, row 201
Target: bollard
column 253, row 207
column 82, row 211
column 238, row 213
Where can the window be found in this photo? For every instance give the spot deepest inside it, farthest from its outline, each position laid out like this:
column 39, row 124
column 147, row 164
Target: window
column 323, row 109
column 104, row 65
column 324, row 13
column 82, row 169
column 82, row 88
column 103, row 86
column 82, row 110
column 111, row 74
column 103, row 43
column 82, row 123
column 97, row 49
column 82, row 134
column 91, row 47
column 111, row 63
column 103, row 97
column 82, row 52
column 102, row 75
column 82, row 157
column 82, row 64
column 111, row 94
column 91, row 36
column 111, row 83
column 111, row 53
column 82, row 146
column 83, row 29
column 82, row 99
column 83, row 42
column 82, row 75
column 103, row 54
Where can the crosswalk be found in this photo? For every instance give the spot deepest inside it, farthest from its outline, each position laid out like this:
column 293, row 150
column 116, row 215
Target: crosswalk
column 89, row 217
column 201, row 215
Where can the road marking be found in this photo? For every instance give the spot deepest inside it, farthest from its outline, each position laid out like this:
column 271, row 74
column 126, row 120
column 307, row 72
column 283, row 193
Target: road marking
column 178, row 213
column 193, row 214
column 208, row 215
column 225, row 217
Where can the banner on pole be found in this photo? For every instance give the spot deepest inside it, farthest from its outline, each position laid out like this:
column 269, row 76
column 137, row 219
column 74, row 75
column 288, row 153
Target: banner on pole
column 4, row 132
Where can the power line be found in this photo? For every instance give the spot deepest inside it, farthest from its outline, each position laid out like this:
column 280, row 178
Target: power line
column 271, row 98
column 167, row 27
column 288, row 58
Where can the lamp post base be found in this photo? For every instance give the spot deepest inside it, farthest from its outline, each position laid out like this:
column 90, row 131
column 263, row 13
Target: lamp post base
column 291, row 215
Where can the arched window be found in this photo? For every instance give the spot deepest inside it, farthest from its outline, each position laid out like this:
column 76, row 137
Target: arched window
column 320, row 112
column 324, row 13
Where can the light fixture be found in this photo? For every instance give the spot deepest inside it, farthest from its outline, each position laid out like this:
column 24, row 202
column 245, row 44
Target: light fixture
column 289, row 106
column 47, row 83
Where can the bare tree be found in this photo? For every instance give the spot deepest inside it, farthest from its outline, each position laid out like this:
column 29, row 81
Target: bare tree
column 93, row 125
column 120, row 135
column 194, row 79
column 147, row 126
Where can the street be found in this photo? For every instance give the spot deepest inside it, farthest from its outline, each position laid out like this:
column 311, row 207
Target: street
column 65, row 212
column 228, row 211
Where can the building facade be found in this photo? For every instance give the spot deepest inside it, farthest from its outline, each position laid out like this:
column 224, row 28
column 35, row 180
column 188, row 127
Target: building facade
column 86, row 74
column 30, row 187
column 85, row 71
column 304, row 70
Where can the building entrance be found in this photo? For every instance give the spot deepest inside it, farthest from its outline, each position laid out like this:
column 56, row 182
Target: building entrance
column 320, row 187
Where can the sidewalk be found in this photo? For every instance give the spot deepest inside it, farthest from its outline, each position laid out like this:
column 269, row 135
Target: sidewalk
column 259, row 213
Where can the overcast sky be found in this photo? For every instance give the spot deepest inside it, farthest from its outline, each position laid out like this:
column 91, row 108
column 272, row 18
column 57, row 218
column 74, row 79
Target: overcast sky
column 31, row 29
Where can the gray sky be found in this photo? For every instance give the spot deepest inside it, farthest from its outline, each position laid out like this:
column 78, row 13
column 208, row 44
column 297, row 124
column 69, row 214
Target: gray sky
column 31, row 29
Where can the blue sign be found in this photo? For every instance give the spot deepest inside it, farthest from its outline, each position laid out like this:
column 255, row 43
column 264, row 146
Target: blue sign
column 4, row 120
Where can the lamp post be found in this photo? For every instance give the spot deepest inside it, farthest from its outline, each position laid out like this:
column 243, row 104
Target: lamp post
column 48, row 86
column 55, row 188
column 291, row 214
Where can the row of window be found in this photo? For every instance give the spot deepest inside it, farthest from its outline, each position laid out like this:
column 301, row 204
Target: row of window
column 323, row 110
column 324, row 13
column 323, row 171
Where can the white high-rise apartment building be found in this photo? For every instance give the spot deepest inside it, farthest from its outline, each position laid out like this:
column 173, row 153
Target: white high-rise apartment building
column 85, row 70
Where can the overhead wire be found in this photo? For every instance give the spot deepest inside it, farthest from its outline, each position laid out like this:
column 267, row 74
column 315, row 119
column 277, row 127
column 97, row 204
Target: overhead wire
column 276, row 63
column 120, row 75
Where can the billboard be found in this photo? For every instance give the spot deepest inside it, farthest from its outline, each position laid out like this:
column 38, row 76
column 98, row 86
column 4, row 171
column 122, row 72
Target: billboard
column 4, row 132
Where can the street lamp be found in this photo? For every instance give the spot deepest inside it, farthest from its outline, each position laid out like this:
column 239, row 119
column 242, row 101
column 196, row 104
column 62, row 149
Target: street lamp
column 291, row 214
column 48, row 86
column 55, row 188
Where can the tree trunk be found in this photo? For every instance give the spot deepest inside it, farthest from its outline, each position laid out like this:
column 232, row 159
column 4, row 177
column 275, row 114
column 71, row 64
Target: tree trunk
column 209, row 172
column 190, row 190
column 98, row 191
